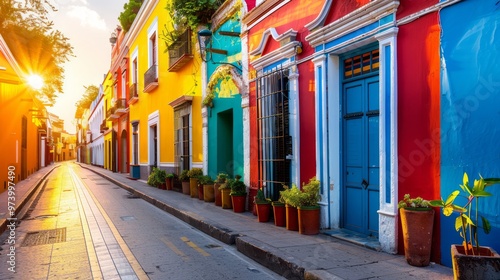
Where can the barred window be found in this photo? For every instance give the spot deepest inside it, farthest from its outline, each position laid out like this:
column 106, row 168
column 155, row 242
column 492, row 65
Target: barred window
column 273, row 131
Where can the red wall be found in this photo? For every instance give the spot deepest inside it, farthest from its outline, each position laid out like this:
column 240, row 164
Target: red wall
column 419, row 112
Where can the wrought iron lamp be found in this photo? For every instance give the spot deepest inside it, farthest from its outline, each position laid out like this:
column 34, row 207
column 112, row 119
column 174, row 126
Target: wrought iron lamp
column 204, row 41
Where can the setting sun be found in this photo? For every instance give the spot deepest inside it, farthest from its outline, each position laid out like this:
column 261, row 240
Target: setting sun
column 35, row 81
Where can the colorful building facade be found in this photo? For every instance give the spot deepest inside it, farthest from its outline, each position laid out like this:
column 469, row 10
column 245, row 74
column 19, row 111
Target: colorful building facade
column 165, row 95
column 25, row 143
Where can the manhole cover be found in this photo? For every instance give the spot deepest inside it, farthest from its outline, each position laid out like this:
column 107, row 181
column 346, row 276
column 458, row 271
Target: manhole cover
column 43, row 237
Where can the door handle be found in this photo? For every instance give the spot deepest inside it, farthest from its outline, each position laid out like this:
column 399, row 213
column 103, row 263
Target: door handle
column 364, row 183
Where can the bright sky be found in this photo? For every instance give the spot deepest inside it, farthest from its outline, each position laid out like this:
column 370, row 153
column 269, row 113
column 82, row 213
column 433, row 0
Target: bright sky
column 88, row 24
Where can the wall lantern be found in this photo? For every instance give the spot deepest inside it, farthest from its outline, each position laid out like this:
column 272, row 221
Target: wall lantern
column 205, row 40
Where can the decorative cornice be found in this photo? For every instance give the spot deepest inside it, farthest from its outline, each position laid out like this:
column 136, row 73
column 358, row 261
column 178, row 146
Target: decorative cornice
column 140, row 20
column 287, row 37
column 284, row 52
column 360, row 17
column 225, row 12
column 261, row 10
column 320, row 20
column 185, row 99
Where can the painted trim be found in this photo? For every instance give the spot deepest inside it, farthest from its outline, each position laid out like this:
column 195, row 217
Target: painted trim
column 388, row 210
column 294, row 123
column 431, row 9
column 286, row 52
column 289, row 35
column 361, row 17
column 261, row 12
column 320, row 19
column 153, row 30
column 154, row 119
column 139, row 22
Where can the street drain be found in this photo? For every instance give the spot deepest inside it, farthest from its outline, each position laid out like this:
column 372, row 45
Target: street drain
column 43, row 237
column 210, row 246
column 102, row 184
column 127, row 218
column 132, row 196
column 43, row 217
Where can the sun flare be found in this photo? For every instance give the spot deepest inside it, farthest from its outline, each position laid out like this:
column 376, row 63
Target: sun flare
column 35, row 81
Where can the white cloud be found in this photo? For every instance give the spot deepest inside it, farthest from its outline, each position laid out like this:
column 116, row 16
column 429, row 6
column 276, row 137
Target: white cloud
column 87, row 17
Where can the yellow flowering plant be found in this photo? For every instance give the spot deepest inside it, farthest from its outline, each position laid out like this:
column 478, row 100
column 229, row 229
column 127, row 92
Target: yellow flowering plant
column 468, row 222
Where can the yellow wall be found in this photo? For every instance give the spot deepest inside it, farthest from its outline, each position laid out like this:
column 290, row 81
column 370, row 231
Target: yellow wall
column 172, row 85
column 108, row 145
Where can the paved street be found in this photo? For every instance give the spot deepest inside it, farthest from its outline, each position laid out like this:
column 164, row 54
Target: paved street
column 81, row 226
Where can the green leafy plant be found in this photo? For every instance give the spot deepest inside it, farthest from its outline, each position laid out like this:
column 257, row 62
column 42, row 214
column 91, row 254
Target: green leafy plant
column 227, row 185
column 171, row 175
column 310, row 193
column 195, row 172
column 129, row 13
column 208, row 101
column 192, row 13
column 221, row 178
column 260, row 198
column 417, row 203
column 184, row 175
column 468, row 220
column 291, row 195
column 157, row 177
column 206, row 180
column 238, row 187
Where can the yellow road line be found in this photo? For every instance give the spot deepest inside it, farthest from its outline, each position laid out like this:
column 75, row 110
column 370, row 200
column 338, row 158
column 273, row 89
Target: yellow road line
column 194, row 246
column 141, row 274
column 173, row 248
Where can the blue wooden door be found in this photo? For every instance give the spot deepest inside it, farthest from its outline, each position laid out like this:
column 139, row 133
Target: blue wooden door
column 360, row 167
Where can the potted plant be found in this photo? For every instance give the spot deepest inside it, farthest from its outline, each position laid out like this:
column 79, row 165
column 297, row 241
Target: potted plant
column 471, row 260
column 279, row 212
column 291, row 198
column 170, row 181
column 208, row 188
column 238, row 194
column 221, row 179
column 157, row 178
column 225, row 194
column 417, row 220
column 185, row 181
column 194, row 174
column 263, row 206
column 308, row 207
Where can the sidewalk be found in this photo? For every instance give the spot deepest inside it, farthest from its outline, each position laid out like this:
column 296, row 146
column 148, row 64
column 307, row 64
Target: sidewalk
column 288, row 253
column 23, row 191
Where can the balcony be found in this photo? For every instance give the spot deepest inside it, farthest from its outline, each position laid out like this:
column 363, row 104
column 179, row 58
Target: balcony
column 103, row 126
column 121, row 107
column 151, row 79
column 180, row 53
column 110, row 114
column 134, row 96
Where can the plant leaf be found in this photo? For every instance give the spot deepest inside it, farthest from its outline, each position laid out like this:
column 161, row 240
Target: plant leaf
column 437, row 203
column 451, row 198
column 486, row 225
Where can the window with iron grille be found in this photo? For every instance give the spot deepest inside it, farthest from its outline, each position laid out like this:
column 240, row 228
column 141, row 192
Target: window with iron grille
column 273, row 131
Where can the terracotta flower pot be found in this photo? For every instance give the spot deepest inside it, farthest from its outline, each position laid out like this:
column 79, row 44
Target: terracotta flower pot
column 217, row 195
column 185, row 187
column 200, row 192
column 193, row 186
column 238, row 203
column 279, row 214
column 170, row 184
column 292, row 218
column 308, row 219
column 417, row 235
column 483, row 266
column 208, row 193
column 226, row 199
column 263, row 211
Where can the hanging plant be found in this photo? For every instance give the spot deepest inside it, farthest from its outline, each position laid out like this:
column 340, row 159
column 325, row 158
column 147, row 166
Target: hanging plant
column 193, row 12
column 208, row 101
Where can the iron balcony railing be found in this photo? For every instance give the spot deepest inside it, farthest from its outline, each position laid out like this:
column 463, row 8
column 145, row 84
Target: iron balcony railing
column 151, row 78
column 180, row 52
column 133, row 93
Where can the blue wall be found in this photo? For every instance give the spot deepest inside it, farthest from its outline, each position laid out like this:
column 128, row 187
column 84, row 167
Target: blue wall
column 225, row 119
column 470, row 108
